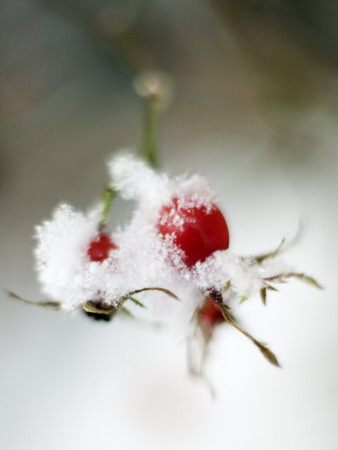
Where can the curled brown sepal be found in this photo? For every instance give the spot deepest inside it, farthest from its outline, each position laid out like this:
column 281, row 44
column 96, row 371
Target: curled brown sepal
column 263, row 292
column 260, row 258
column 129, row 296
column 100, row 310
column 284, row 245
column 268, row 354
column 45, row 304
column 283, row 277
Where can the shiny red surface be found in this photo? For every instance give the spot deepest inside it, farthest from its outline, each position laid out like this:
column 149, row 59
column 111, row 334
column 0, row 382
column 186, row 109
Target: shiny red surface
column 100, row 247
column 201, row 234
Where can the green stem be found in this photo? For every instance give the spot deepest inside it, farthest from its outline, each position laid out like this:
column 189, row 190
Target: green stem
column 108, row 197
column 150, row 130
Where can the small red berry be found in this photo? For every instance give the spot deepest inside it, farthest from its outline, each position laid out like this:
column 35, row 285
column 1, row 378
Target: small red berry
column 197, row 231
column 210, row 315
column 99, row 248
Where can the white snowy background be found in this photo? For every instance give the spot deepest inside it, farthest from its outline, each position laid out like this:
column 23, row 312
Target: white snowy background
column 69, row 383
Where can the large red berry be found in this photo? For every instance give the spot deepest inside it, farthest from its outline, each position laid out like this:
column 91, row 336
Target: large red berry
column 210, row 315
column 196, row 230
column 100, row 247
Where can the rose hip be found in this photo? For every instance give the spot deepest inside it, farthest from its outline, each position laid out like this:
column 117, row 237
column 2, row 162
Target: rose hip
column 100, row 247
column 210, row 315
column 196, row 230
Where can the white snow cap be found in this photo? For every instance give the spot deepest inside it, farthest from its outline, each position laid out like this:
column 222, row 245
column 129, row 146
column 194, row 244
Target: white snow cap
column 61, row 257
column 141, row 257
column 134, row 179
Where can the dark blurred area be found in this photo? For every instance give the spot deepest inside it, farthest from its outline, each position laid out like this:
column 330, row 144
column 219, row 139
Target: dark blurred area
column 289, row 47
column 293, row 43
column 260, row 25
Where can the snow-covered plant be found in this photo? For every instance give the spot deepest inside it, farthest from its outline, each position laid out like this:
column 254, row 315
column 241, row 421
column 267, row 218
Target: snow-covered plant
column 172, row 258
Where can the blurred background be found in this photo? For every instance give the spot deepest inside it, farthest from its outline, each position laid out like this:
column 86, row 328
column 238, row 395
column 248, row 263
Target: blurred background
column 255, row 111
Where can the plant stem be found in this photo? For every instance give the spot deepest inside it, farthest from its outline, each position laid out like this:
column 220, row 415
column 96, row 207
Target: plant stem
column 150, row 131
column 156, row 88
column 108, row 197
column 138, row 291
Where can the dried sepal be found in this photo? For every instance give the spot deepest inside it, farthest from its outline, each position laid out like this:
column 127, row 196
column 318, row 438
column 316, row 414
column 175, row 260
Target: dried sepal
column 262, row 293
column 271, row 288
column 308, row 279
column 93, row 307
column 129, row 296
column 283, row 277
column 227, row 286
column 281, row 247
column 45, row 304
column 260, row 258
column 99, row 309
column 137, row 302
column 127, row 312
column 138, row 291
column 268, row 354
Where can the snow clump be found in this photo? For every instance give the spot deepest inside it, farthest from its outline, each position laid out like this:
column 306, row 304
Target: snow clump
column 141, row 258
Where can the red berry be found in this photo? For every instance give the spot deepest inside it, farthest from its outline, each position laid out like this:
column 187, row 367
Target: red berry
column 197, row 231
column 210, row 315
column 100, row 247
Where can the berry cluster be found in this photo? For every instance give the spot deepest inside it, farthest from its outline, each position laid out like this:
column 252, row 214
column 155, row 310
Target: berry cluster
column 177, row 244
